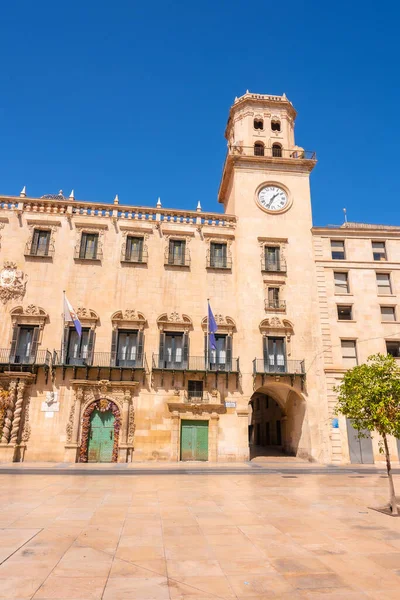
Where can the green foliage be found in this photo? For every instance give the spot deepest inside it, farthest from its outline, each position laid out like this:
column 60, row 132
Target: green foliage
column 370, row 395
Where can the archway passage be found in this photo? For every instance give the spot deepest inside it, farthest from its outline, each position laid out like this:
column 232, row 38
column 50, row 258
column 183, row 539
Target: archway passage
column 276, row 423
column 101, row 424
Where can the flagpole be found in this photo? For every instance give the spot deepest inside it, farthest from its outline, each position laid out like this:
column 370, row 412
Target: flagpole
column 208, row 332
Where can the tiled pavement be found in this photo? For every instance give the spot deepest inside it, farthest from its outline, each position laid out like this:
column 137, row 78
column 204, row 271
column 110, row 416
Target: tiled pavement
column 197, row 537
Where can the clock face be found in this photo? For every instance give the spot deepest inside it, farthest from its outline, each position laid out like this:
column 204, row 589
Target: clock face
column 272, row 197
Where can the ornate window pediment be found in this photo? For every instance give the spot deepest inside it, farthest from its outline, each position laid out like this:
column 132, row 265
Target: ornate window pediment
column 275, row 326
column 32, row 247
column 31, row 315
column 225, row 324
column 87, row 317
column 128, row 319
column 95, row 252
column 174, row 321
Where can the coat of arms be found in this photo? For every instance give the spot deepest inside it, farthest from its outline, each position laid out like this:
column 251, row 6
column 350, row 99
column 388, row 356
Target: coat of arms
column 12, row 282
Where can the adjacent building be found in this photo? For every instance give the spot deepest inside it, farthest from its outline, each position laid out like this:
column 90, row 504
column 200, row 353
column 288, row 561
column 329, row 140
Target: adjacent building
column 294, row 305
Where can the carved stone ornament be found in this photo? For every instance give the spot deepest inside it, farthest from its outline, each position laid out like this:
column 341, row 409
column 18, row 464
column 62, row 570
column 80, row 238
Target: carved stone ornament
column 103, row 384
column 282, row 326
column 31, row 315
column 225, row 324
column 12, row 282
column 121, row 318
column 173, row 320
column 2, row 225
column 88, row 315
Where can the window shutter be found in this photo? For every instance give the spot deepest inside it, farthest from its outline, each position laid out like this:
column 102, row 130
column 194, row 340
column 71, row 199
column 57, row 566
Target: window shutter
column 82, row 249
column 207, row 363
column 162, row 349
column 46, row 251
column 34, row 345
column 228, row 352
column 140, row 344
column 14, row 341
column 95, row 245
column 183, row 252
column 171, row 253
column 186, row 349
column 65, row 343
column 114, row 341
column 265, row 351
column 35, row 242
column 89, row 359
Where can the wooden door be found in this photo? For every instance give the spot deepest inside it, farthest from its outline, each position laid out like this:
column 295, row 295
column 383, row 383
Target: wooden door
column 101, row 436
column 194, row 440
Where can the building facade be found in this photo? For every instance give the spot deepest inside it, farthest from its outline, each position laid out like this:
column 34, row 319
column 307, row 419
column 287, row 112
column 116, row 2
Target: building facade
column 294, row 306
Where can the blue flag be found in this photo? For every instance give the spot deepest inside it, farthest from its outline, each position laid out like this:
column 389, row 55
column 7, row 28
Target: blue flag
column 212, row 329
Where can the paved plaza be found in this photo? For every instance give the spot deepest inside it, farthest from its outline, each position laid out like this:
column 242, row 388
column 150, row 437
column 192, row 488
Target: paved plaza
column 197, row 535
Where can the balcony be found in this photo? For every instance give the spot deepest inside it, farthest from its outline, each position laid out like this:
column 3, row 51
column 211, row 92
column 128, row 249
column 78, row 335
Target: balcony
column 219, row 262
column 193, row 397
column 273, row 266
column 275, row 305
column 99, row 361
column 177, row 260
column 274, row 152
column 194, row 363
column 277, row 367
column 27, row 363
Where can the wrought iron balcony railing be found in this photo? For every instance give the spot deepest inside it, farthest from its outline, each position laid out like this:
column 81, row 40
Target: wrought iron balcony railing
column 218, row 262
column 274, row 152
column 278, row 366
column 195, row 363
column 100, row 360
column 38, row 358
column 275, row 304
column 196, row 397
column 140, row 257
column 277, row 266
column 177, row 260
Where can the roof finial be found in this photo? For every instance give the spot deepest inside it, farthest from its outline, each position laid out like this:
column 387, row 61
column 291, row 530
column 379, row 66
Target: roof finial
column 23, row 192
column 72, row 195
column 116, row 199
column 247, row 92
column 345, row 215
column 198, row 206
column 60, row 193
column 159, row 205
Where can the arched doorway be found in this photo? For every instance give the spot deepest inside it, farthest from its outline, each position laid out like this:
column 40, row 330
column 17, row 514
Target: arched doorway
column 101, row 424
column 276, row 422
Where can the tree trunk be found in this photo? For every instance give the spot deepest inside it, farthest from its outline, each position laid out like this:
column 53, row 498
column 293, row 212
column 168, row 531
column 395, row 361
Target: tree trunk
column 393, row 503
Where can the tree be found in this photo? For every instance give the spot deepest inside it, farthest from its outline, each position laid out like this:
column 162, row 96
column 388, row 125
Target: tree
column 370, row 395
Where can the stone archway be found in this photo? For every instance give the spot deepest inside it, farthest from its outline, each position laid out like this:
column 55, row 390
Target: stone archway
column 277, row 424
column 102, row 405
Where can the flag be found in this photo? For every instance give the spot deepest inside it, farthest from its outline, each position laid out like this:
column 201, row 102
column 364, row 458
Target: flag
column 71, row 316
column 212, row 329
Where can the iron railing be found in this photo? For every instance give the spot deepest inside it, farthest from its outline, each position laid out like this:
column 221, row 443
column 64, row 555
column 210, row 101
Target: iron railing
column 275, row 304
column 277, row 266
column 100, row 360
column 40, row 358
column 196, row 397
column 135, row 256
column 278, row 365
column 274, row 152
column 195, row 363
column 218, row 262
column 175, row 260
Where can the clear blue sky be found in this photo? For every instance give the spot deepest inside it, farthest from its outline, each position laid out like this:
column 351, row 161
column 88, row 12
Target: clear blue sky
column 132, row 97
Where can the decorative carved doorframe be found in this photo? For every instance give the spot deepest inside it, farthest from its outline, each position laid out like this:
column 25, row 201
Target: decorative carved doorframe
column 101, row 405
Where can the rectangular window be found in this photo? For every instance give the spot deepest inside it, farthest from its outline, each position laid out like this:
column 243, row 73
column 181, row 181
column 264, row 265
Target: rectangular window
column 77, row 348
column 345, row 313
column 388, row 313
column 274, row 355
column 272, row 258
column 40, row 243
column 338, row 250
column 393, row 348
column 23, row 354
column 379, row 250
column 218, row 355
column 349, row 353
column 174, row 350
column 195, row 390
column 134, row 249
column 341, row 283
column 176, row 253
column 383, row 283
column 88, row 247
column 273, row 297
column 218, row 255
column 127, row 348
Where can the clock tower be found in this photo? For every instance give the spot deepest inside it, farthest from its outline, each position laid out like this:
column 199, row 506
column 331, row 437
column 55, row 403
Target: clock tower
column 265, row 184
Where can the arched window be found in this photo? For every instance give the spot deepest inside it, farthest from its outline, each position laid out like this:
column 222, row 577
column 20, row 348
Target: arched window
column 258, row 149
column 258, row 124
column 275, row 125
column 276, row 150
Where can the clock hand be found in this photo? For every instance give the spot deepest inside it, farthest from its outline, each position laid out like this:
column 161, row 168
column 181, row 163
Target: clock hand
column 273, row 198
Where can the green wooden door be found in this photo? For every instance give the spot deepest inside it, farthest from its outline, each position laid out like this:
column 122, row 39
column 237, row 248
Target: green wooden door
column 101, row 436
column 194, row 440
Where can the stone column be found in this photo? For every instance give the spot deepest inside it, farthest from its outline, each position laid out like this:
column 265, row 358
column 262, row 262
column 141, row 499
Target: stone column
column 9, row 412
column 125, row 445
column 213, row 438
column 72, row 445
column 125, row 419
column 17, row 412
column 175, row 420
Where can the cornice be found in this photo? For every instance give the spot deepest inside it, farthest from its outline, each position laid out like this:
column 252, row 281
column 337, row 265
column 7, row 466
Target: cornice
column 367, row 234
